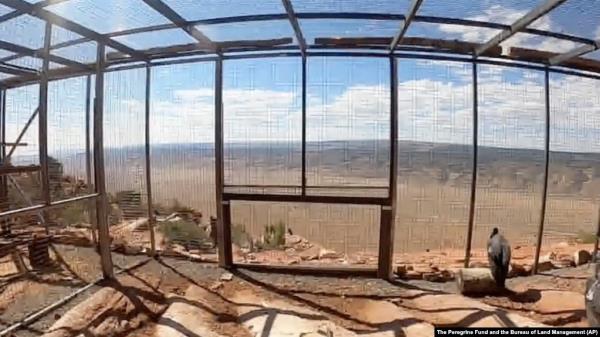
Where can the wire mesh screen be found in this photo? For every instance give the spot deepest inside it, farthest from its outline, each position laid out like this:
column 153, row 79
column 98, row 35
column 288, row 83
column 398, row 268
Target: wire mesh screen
column 574, row 171
column 22, row 151
column 55, row 267
column 67, row 119
column 305, row 234
column 348, row 126
column 124, row 157
column 262, row 109
column 435, row 155
column 511, row 154
column 182, row 124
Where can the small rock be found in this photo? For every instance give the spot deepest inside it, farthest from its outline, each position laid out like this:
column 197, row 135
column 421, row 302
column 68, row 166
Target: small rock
column 581, row 257
column 57, row 316
column 401, row 271
column 563, row 263
column 327, row 254
column 562, row 244
column 478, row 264
column 291, row 240
column 291, row 262
column 290, row 251
column 553, row 301
column 413, row 275
column 216, row 286
column 517, row 269
column 226, row 277
column 545, row 265
column 433, row 277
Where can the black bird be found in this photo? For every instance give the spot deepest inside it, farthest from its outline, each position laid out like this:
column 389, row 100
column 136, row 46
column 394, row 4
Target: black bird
column 498, row 257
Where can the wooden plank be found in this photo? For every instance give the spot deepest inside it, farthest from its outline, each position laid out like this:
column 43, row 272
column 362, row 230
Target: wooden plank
column 4, row 170
column 180, row 22
column 519, row 25
column 438, row 44
column 412, row 11
column 578, row 51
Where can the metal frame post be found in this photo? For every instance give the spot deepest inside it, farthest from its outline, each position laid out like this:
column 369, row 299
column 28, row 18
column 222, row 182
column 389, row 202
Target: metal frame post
column 388, row 212
column 148, row 177
column 88, row 159
column 540, row 233
column 223, row 206
column 474, row 168
column 43, row 124
column 100, row 184
column 304, row 65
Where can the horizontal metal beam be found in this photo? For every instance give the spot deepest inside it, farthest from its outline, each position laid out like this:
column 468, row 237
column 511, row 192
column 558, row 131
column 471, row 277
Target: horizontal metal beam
column 7, row 69
column 53, row 205
column 519, row 25
column 27, row 8
column 414, row 7
column 306, row 198
column 16, row 14
column 558, row 59
column 340, row 15
column 40, row 54
column 180, row 22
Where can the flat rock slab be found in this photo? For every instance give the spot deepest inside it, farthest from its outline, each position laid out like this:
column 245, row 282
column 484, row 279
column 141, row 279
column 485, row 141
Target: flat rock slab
column 554, row 302
column 390, row 318
column 184, row 318
column 463, row 311
column 276, row 318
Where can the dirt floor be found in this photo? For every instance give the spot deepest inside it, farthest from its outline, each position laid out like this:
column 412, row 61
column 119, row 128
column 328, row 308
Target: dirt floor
column 251, row 303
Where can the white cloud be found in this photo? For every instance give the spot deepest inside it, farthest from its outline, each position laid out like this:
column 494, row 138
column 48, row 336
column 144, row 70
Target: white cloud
column 506, row 15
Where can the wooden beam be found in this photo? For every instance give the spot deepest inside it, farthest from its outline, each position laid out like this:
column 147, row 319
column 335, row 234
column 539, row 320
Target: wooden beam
column 414, row 7
column 180, row 22
column 27, row 8
column 4, row 170
column 558, row 59
column 189, row 47
column 531, row 55
column 101, row 201
column 438, row 44
column 519, row 25
column 289, row 9
column 33, row 53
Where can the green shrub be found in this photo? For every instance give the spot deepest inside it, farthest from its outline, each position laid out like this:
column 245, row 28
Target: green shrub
column 274, row 236
column 181, row 230
column 239, row 236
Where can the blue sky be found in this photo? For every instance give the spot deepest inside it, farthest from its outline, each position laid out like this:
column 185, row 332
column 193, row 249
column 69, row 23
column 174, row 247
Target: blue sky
column 348, row 98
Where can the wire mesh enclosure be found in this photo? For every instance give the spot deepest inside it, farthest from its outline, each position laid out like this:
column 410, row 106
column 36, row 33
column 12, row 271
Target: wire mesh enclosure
column 330, row 136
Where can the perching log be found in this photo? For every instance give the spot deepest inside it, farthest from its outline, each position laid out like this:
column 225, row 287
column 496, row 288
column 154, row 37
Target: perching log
column 476, row 281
